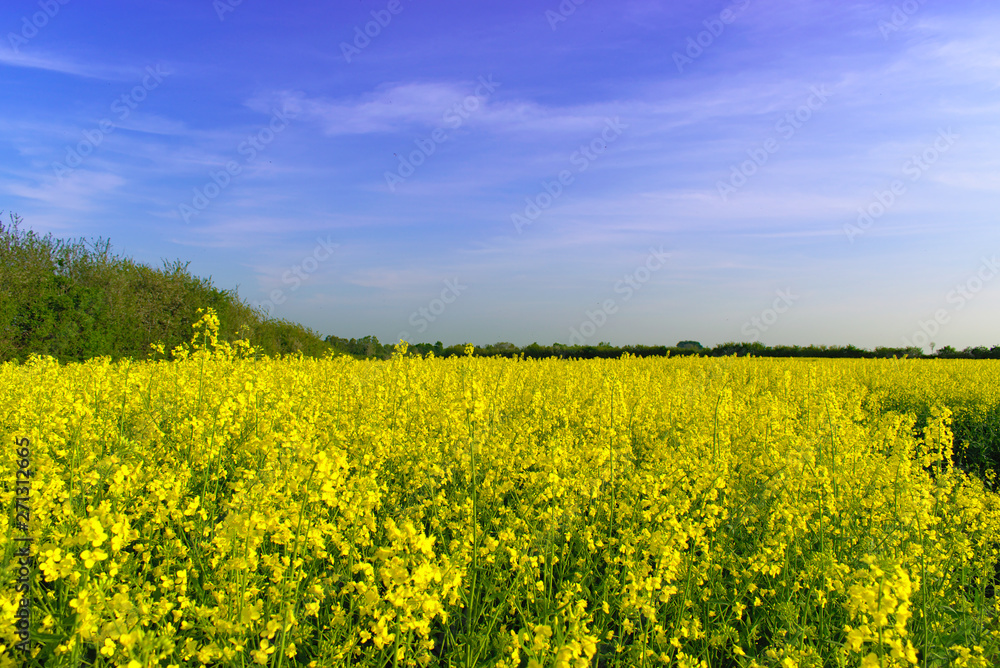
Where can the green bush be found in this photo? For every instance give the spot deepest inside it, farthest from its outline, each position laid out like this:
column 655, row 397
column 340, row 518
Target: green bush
column 76, row 299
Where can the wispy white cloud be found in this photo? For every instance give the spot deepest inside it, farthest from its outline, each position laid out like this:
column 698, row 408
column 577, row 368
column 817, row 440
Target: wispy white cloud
column 66, row 65
column 404, row 106
column 76, row 192
column 986, row 180
column 155, row 125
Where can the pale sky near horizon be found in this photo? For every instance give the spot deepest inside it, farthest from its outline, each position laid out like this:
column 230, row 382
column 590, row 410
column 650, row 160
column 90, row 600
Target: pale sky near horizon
column 638, row 172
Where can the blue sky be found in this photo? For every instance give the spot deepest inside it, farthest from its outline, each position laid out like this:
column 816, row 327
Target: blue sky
column 632, row 172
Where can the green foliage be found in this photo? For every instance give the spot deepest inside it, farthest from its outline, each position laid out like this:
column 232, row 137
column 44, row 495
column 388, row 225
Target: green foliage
column 975, row 427
column 74, row 300
column 367, row 347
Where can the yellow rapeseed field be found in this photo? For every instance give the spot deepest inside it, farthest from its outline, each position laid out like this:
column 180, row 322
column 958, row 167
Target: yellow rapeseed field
column 231, row 511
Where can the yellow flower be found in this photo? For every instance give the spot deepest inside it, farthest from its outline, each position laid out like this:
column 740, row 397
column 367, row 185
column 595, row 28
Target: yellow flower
column 870, row 661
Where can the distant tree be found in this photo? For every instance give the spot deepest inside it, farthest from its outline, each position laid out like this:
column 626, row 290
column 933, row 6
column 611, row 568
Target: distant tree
column 502, row 347
column 689, row 344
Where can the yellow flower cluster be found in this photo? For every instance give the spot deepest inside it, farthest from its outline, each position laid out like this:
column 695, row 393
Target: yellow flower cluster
column 228, row 510
column 880, row 602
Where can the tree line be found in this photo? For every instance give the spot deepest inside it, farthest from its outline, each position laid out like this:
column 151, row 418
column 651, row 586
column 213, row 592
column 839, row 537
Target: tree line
column 371, row 347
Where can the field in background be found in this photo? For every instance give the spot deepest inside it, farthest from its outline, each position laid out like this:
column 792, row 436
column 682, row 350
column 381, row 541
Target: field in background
column 228, row 511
